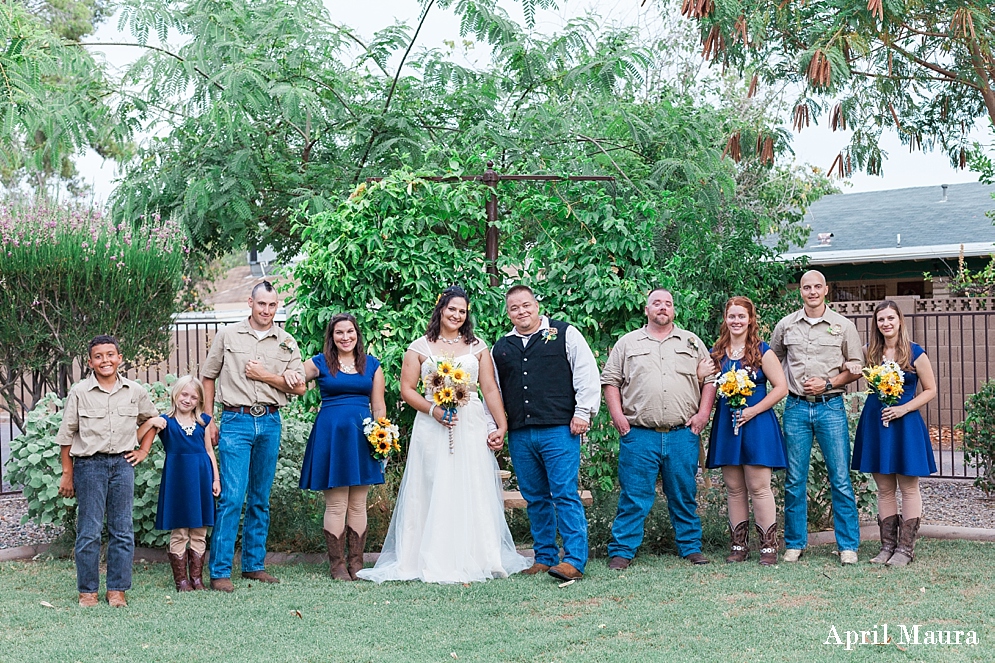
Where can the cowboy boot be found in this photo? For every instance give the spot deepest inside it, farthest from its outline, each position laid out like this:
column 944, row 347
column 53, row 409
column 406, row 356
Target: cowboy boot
column 179, row 565
column 740, row 535
column 889, row 538
column 905, row 550
column 336, row 556
column 768, row 544
column 196, row 568
column 357, row 544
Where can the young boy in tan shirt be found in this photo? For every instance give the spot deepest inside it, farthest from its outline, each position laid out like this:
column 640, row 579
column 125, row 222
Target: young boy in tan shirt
column 99, row 433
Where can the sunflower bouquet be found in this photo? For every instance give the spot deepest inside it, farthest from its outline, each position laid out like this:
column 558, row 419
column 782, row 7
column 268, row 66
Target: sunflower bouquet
column 383, row 436
column 735, row 385
column 451, row 388
column 887, row 381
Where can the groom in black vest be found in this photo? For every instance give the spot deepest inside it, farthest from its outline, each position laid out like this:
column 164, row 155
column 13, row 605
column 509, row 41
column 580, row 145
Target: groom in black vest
column 551, row 387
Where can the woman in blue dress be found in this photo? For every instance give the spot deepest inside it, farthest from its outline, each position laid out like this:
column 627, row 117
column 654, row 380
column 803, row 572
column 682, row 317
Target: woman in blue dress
column 337, row 459
column 892, row 442
column 747, row 458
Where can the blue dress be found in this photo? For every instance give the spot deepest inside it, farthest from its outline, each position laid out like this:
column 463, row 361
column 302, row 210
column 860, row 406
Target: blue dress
column 338, row 453
column 759, row 442
column 185, row 498
column 901, row 448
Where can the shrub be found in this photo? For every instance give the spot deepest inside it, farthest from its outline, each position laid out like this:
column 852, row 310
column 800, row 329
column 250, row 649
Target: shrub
column 35, row 464
column 979, row 435
column 69, row 274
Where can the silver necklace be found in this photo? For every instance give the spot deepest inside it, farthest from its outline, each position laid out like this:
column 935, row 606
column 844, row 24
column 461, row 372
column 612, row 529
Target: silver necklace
column 347, row 368
column 448, row 342
column 187, row 428
column 736, row 353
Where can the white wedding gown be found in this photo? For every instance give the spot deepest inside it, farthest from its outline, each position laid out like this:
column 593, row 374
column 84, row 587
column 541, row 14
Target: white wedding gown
column 448, row 525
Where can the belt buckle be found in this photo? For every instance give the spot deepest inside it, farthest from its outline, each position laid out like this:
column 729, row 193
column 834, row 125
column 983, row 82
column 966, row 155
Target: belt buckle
column 812, row 399
column 664, row 429
column 257, row 410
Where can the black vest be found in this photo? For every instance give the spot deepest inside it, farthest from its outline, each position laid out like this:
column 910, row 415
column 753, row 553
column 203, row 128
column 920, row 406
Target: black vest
column 536, row 379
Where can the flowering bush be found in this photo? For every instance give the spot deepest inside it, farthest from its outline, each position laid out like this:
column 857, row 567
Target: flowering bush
column 68, row 274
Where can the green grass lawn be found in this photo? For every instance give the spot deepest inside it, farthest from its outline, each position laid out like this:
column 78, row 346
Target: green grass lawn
column 661, row 609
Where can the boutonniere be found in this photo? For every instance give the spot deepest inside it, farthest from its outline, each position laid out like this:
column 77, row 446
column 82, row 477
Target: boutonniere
column 692, row 345
column 289, row 347
column 835, row 330
column 549, row 334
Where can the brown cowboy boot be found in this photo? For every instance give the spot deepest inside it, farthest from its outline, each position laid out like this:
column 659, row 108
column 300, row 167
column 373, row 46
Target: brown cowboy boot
column 336, row 556
column 179, row 565
column 905, row 550
column 768, row 544
column 195, row 564
column 740, row 535
column 889, row 538
column 357, row 544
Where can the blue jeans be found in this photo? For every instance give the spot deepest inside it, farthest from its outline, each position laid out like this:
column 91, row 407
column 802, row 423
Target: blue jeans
column 247, row 451
column 104, row 485
column 547, row 462
column 827, row 423
column 643, row 455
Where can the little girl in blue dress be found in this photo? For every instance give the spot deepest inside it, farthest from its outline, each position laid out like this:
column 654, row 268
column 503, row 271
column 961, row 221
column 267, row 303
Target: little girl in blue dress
column 190, row 482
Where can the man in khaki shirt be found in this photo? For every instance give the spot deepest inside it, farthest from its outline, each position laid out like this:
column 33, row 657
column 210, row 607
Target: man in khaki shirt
column 821, row 353
column 99, row 432
column 653, row 389
column 252, row 366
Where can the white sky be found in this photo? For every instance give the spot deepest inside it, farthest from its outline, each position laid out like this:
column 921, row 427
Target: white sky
column 815, row 145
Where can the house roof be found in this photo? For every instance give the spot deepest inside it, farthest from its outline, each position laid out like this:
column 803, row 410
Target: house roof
column 866, row 227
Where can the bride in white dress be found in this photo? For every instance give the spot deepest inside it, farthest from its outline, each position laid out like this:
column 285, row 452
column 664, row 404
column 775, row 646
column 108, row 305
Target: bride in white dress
column 448, row 525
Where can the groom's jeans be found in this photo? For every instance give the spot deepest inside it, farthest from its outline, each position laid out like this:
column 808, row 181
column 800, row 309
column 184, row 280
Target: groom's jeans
column 247, row 451
column 547, row 462
column 827, row 423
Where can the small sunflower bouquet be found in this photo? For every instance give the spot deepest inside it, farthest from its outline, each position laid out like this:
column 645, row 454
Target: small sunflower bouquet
column 383, row 436
column 735, row 385
column 887, row 381
column 451, row 389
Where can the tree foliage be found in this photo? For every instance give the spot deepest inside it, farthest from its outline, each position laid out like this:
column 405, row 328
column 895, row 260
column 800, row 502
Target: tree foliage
column 52, row 93
column 268, row 105
column 925, row 68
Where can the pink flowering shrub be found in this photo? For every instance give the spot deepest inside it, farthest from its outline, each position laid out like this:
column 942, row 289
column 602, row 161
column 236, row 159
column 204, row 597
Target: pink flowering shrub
column 68, row 274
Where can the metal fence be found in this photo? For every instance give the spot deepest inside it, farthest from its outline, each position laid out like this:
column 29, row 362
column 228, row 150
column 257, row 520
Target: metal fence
column 192, row 336
column 957, row 334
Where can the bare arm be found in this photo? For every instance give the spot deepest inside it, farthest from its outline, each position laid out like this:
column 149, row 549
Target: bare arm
column 66, row 482
column 216, row 483
column 410, row 375
column 288, row 383
column 310, row 371
column 211, row 432
column 698, row 421
column 378, row 405
column 613, row 400
column 779, row 387
column 492, row 397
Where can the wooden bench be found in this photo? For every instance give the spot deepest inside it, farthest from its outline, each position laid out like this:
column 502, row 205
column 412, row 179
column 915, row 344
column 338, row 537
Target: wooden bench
column 514, row 500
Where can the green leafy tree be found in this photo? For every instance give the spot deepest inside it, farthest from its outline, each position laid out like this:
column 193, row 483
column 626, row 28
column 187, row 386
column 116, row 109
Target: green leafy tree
column 925, row 69
column 52, row 94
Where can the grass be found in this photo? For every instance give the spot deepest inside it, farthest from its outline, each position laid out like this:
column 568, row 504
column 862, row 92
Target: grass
column 661, row 609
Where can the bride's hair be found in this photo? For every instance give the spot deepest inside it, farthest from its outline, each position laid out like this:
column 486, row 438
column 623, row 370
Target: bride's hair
column 435, row 322
column 331, row 351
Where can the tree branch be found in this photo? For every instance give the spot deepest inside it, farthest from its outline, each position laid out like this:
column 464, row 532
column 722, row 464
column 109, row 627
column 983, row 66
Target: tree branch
column 154, row 48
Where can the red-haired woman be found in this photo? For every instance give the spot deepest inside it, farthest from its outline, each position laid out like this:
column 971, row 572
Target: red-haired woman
column 747, row 458
column 892, row 442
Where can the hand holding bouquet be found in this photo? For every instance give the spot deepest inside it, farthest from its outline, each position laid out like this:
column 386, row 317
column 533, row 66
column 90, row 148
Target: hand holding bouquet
column 451, row 388
column 887, row 381
column 735, row 385
column 383, row 437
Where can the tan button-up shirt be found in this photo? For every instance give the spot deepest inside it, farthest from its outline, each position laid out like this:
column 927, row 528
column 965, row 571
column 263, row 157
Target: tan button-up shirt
column 817, row 350
column 233, row 348
column 95, row 420
column 658, row 380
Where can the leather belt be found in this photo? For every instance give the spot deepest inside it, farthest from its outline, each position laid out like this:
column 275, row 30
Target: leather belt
column 256, row 410
column 821, row 398
column 669, row 429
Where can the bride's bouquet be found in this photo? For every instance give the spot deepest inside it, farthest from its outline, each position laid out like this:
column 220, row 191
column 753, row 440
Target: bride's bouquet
column 735, row 385
column 383, row 436
column 451, row 389
column 887, row 381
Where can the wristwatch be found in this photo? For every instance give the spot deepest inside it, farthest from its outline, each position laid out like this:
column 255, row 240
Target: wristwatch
column 829, row 385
